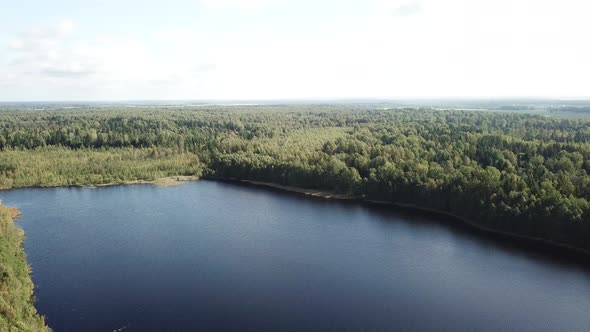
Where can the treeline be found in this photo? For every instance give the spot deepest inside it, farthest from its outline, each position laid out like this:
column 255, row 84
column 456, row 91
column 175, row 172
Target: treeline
column 17, row 311
column 511, row 172
column 573, row 109
column 58, row 166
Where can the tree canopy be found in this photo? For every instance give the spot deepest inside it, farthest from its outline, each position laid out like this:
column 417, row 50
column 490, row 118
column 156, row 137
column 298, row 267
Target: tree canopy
column 519, row 173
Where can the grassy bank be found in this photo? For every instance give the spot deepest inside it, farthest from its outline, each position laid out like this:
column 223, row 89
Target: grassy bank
column 17, row 310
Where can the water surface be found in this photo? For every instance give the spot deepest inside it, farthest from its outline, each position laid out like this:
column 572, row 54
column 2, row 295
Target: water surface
column 217, row 256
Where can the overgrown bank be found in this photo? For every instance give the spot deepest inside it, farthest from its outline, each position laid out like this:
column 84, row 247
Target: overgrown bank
column 17, row 310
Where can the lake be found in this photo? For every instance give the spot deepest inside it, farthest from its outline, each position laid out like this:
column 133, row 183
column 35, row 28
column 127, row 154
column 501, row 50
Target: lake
column 211, row 255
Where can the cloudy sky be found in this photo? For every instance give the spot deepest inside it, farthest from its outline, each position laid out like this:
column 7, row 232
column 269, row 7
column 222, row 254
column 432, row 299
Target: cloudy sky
column 294, row 49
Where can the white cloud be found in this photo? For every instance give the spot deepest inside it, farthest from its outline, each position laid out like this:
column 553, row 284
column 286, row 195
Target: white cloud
column 51, row 58
column 65, row 27
column 400, row 8
column 45, row 52
column 439, row 48
column 409, row 9
column 181, row 35
column 240, row 4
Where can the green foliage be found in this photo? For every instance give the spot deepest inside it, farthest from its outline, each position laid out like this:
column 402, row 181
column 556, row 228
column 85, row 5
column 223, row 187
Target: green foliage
column 17, row 312
column 57, row 166
column 517, row 173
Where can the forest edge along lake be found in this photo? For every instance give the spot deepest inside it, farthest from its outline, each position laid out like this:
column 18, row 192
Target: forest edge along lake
column 336, row 237
column 525, row 242
column 514, row 239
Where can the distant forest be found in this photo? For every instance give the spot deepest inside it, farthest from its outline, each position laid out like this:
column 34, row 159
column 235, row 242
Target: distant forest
column 518, row 173
column 573, row 109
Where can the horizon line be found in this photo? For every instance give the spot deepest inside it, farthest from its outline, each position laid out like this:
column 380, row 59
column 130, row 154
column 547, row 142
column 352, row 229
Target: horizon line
column 303, row 100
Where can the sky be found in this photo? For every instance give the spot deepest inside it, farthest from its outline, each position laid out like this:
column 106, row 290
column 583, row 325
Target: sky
column 292, row 49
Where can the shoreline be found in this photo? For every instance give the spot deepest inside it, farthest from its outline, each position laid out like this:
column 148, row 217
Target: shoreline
column 538, row 243
column 168, row 181
column 515, row 239
column 521, row 242
column 18, row 310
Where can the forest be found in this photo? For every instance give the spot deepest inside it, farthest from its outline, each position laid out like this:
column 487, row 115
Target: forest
column 510, row 172
column 507, row 171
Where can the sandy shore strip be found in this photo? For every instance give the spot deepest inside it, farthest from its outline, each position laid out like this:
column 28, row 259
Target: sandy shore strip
column 464, row 221
column 168, row 181
column 310, row 192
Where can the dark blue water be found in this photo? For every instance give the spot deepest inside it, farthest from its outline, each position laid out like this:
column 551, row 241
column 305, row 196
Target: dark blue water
column 218, row 256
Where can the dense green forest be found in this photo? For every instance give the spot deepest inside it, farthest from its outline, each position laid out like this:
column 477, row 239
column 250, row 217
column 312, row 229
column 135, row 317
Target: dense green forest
column 518, row 173
column 17, row 313
column 513, row 172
